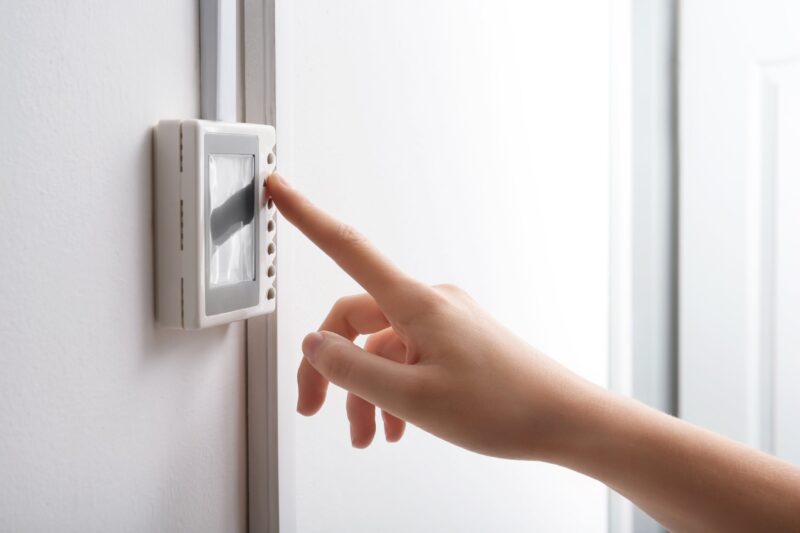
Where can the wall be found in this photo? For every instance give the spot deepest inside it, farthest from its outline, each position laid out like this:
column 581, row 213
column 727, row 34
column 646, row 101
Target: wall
column 106, row 424
column 469, row 141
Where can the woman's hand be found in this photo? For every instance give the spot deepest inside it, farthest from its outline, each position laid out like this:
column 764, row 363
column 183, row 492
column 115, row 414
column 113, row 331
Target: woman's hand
column 436, row 359
column 433, row 356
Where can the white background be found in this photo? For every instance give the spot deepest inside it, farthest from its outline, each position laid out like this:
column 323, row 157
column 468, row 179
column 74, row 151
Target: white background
column 469, row 141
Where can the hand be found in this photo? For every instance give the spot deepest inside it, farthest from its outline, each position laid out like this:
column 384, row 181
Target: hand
column 436, row 359
column 433, row 357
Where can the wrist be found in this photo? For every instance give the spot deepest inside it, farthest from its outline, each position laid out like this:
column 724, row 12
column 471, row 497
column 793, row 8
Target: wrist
column 594, row 426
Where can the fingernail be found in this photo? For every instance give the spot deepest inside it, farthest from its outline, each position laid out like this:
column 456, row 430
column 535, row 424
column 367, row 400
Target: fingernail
column 311, row 345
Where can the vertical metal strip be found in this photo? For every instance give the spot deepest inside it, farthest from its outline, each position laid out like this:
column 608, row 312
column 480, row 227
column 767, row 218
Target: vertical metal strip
column 218, row 61
column 262, row 387
column 218, row 69
column 237, row 79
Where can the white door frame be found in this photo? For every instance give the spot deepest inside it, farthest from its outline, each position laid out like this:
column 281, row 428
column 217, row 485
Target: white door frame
column 237, row 77
column 258, row 84
column 643, row 286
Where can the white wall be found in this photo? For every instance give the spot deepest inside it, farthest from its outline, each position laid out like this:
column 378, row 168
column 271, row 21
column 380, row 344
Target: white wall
column 469, row 141
column 106, row 424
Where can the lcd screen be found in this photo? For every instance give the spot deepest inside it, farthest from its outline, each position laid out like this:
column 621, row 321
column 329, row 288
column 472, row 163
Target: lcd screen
column 231, row 191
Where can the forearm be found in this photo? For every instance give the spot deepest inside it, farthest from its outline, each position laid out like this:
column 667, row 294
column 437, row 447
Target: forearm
column 687, row 478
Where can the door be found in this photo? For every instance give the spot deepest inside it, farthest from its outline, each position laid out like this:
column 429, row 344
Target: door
column 469, row 141
column 740, row 220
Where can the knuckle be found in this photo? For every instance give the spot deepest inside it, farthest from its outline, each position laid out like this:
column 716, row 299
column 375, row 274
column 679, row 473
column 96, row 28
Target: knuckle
column 338, row 315
column 428, row 303
column 433, row 300
column 349, row 235
column 452, row 290
column 338, row 368
column 341, row 304
column 454, row 297
column 372, row 343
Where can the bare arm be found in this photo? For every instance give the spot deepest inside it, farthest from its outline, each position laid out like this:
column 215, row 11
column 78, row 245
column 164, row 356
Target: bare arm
column 435, row 359
column 687, row 478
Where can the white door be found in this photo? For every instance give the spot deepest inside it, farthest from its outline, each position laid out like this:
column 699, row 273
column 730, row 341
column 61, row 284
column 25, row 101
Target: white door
column 740, row 220
column 469, row 141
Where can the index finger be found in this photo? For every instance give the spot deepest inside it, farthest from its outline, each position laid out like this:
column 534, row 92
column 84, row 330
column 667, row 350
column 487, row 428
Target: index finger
column 395, row 292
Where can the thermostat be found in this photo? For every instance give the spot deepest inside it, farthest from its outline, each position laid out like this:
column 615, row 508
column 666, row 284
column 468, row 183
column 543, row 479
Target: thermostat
column 214, row 231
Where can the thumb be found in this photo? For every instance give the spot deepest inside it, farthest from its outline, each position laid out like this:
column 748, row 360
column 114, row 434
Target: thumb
column 382, row 382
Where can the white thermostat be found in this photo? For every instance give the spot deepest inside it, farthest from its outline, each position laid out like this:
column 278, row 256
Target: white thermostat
column 214, row 230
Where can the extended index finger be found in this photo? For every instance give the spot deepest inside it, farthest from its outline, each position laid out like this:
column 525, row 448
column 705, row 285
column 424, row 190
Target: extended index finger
column 394, row 291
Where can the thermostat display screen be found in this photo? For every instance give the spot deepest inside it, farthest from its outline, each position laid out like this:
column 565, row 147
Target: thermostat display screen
column 231, row 190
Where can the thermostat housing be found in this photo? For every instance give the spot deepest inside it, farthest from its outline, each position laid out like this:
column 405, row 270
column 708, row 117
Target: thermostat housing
column 214, row 229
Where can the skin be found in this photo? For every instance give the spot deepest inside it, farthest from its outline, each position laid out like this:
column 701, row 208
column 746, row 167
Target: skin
column 435, row 359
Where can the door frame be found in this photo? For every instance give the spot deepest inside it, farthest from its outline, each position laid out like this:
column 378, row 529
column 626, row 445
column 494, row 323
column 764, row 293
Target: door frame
column 643, row 299
column 237, row 82
column 257, row 79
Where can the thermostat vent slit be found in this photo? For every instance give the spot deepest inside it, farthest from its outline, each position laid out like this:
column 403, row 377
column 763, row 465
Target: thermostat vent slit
column 183, row 319
column 181, row 209
column 180, row 144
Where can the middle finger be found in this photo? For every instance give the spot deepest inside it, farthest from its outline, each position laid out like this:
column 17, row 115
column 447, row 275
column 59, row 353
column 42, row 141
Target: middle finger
column 361, row 413
column 350, row 316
